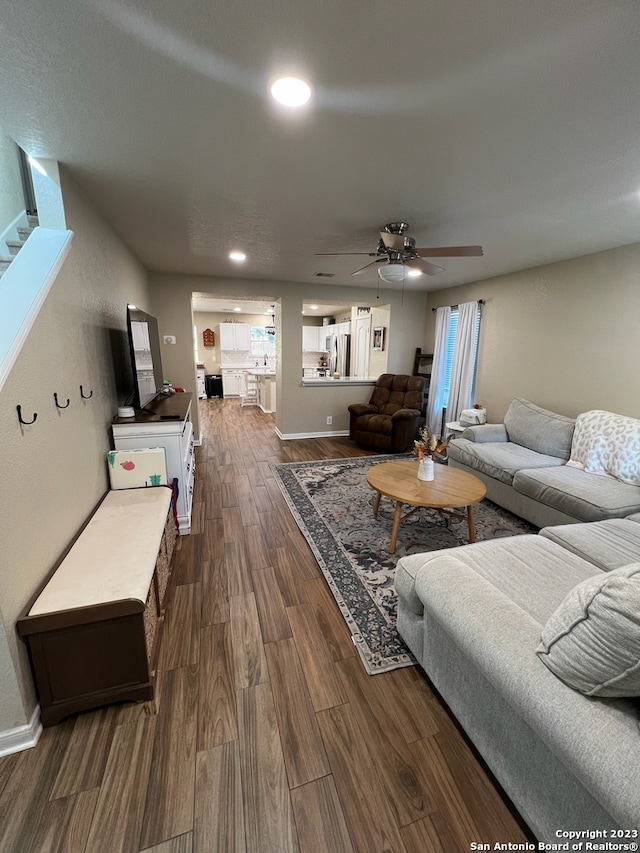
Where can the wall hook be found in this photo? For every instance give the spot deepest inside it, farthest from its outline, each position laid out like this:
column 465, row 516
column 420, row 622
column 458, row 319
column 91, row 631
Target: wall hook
column 85, row 396
column 55, row 397
column 20, row 418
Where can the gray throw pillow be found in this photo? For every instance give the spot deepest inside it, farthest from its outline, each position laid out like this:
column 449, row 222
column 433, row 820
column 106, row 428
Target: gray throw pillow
column 592, row 641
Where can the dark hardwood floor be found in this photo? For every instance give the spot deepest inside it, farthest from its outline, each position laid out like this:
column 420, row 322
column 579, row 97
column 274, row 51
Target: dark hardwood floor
column 266, row 735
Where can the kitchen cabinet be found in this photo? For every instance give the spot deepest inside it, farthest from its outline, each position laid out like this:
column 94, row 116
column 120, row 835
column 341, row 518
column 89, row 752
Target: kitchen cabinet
column 266, row 389
column 343, row 328
column 235, row 336
column 314, row 338
column 166, row 423
column 267, row 393
column 233, row 382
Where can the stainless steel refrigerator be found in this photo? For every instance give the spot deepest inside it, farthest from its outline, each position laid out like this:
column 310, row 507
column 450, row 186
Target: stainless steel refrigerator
column 339, row 349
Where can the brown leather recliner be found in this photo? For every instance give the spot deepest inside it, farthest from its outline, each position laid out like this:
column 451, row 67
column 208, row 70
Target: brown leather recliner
column 390, row 420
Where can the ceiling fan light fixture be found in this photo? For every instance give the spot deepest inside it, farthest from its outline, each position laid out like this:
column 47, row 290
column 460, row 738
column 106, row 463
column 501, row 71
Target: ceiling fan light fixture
column 392, row 272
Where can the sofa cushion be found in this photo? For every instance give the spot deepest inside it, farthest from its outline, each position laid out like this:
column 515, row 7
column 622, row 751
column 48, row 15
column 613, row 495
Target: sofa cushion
column 592, row 641
column 587, row 497
column 485, row 433
column 606, row 443
column 539, row 429
column 500, row 460
column 375, row 423
column 596, row 740
column 607, row 544
column 530, row 571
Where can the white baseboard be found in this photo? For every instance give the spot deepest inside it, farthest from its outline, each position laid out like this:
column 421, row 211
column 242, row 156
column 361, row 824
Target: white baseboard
column 22, row 737
column 291, row 435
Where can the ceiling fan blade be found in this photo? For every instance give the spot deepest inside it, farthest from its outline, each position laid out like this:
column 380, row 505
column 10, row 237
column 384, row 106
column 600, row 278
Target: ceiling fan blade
column 452, row 252
column 372, row 264
column 424, row 266
column 336, row 254
column 392, row 241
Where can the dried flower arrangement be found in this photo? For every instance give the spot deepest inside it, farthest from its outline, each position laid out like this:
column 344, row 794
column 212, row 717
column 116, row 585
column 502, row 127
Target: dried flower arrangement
column 427, row 444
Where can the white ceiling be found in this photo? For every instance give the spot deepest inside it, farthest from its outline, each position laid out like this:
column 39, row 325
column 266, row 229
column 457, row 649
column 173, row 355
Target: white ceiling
column 509, row 123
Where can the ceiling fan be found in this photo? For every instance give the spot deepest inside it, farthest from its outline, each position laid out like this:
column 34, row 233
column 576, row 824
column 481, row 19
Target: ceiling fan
column 396, row 254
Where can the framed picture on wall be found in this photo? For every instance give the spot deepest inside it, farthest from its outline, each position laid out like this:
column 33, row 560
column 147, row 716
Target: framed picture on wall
column 378, row 337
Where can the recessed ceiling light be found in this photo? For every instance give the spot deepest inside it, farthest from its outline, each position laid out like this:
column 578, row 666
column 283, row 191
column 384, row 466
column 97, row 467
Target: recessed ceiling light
column 237, row 309
column 291, row 91
column 313, row 307
column 413, row 273
column 238, row 257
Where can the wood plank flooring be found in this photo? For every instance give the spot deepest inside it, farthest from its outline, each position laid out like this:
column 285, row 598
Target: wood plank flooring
column 265, row 734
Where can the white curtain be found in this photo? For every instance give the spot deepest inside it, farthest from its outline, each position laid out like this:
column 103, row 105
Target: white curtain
column 463, row 368
column 438, row 371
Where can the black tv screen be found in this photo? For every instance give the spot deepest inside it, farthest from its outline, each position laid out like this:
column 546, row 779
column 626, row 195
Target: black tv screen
column 144, row 346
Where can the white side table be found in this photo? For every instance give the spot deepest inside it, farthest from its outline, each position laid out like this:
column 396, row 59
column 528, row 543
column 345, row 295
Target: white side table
column 452, row 430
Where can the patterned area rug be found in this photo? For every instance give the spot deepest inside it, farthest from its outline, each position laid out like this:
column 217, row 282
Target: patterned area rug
column 333, row 506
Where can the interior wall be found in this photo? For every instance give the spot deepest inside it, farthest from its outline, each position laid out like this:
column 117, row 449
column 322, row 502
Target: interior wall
column 54, row 472
column 564, row 336
column 378, row 358
column 300, row 409
column 11, row 194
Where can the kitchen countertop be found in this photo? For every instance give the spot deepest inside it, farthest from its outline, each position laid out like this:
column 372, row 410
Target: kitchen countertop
column 261, row 371
column 252, row 367
column 344, row 380
column 244, row 366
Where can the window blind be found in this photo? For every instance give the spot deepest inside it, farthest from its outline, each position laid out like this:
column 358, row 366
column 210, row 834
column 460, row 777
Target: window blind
column 451, row 343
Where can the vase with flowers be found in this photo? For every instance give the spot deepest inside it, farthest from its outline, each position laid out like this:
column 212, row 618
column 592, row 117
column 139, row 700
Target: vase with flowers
column 424, row 447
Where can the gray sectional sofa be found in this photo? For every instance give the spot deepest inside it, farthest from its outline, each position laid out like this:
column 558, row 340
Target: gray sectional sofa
column 482, row 620
column 523, row 464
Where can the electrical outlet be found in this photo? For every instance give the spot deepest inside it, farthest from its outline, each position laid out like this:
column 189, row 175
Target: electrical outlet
column 329, row 420
column 169, row 339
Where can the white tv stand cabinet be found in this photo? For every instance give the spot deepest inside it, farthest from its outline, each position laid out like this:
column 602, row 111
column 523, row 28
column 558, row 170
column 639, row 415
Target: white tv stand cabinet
column 166, row 423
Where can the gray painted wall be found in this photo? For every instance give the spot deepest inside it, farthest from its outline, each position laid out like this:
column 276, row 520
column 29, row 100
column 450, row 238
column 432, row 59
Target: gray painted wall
column 55, row 472
column 11, row 194
column 565, row 336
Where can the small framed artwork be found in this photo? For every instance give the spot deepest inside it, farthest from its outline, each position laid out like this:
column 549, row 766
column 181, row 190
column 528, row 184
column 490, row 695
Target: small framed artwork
column 378, row 337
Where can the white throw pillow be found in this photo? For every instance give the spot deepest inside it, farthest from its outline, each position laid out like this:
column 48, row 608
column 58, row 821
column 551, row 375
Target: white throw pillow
column 592, row 641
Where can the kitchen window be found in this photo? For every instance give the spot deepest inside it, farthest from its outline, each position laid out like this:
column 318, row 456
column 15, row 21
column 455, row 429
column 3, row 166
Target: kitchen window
column 263, row 342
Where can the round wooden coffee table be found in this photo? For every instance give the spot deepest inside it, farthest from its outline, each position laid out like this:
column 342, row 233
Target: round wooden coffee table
column 450, row 488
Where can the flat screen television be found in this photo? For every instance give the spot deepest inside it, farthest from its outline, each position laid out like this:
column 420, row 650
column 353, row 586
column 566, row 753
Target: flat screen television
column 146, row 361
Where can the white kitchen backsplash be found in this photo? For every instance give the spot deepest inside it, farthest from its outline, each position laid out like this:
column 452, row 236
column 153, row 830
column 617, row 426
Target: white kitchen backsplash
column 237, row 358
column 310, row 359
